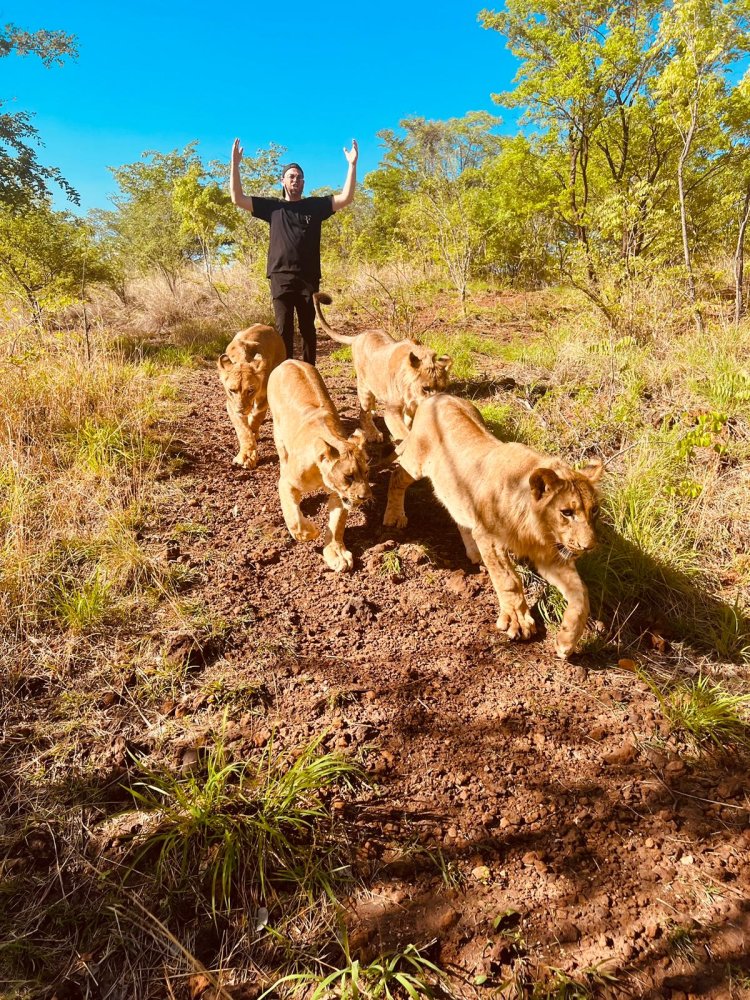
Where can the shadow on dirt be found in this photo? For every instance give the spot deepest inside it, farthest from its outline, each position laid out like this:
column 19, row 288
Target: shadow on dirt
column 639, row 594
column 482, row 387
column 569, row 846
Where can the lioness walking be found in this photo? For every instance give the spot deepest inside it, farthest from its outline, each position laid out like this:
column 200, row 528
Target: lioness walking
column 398, row 373
column 504, row 498
column 314, row 453
column 244, row 368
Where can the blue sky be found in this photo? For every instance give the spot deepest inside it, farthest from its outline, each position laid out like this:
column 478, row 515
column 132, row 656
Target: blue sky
column 157, row 75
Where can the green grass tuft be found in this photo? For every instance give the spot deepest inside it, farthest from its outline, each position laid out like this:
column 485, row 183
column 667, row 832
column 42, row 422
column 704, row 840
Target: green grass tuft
column 343, row 353
column 499, row 420
column 705, row 713
column 391, row 564
column 397, row 974
column 466, row 349
column 242, row 829
column 81, row 605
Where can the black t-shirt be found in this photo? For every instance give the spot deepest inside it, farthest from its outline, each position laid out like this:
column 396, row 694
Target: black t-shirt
column 295, row 234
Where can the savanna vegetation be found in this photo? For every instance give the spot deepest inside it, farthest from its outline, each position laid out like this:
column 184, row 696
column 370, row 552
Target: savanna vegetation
column 606, row 237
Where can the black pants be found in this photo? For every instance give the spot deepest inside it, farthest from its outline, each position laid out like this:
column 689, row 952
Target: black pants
column 284, row 306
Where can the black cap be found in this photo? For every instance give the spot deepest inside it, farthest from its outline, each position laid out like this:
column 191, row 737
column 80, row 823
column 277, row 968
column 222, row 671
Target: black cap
column 288, row 166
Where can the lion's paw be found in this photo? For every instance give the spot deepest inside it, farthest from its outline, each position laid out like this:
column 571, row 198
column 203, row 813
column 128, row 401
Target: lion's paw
column 248, row 460
column 395, row 520
column 564, row 646
column 516, row 625
column 373, row 434
column 306, row 532
column 340, row 560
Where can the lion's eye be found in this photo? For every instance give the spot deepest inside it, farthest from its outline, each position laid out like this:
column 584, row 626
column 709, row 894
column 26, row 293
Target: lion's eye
column 567, row 512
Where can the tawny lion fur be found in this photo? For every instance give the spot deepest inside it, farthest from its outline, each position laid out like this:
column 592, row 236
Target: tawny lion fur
column 315, row 453
column 504, row 498
column 244, row 368
column 400, row 374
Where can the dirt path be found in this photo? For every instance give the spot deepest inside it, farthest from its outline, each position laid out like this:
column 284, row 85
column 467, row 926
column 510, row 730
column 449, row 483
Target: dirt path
column 568, row 830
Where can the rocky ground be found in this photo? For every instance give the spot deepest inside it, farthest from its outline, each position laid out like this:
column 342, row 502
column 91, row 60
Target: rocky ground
column 527, row 814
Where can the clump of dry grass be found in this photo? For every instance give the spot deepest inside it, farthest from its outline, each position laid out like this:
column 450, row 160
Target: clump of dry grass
column 192, row 312
column 78, row 461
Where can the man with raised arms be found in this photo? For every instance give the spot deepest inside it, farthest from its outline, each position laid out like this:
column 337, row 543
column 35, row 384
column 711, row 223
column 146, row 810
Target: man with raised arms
column 294, row 250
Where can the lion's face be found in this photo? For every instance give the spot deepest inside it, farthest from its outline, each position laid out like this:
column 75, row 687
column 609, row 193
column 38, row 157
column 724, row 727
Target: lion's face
column 343, row 469
column 567, row 509
column 242, row 381
column 425, row 373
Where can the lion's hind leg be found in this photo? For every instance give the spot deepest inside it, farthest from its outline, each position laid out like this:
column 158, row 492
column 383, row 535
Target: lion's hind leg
column 472, row 550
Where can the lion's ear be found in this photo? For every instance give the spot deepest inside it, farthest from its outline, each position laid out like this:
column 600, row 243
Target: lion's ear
column 543, row 481
column 593, row 470
column 328, row 453
column 414, row 360
column 259, row 363
column 224, row 362
column 358, row 439
column 444, row 361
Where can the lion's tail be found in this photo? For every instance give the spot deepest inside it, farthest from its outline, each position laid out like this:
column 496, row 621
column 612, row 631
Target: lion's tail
column 325, row 299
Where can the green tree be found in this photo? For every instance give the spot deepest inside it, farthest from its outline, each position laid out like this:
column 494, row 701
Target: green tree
column 22, row 177
column 522, row 191
column 46, row 258
column 147, row 225
column 434, row 172
column 703, row 39
column 636, row 116
column 205, row 212
column 581, row 83
column 346, row 238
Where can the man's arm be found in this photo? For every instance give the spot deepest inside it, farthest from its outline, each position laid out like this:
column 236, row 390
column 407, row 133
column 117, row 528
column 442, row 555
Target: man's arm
column 346, row 194
column 235, row 182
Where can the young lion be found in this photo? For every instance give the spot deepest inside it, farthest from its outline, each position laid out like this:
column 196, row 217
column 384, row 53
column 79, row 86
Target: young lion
column 504, row 498
column 313, row 453
column 244, row 369
column 399, row 373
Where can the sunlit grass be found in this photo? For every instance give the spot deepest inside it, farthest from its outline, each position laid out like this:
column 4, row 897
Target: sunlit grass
column 247, row 827
column 501, row 420
column 342, row 353
column 466, row 349
column 404, row 973
column 391, row 564
column 705, row 713
column 77, row 460
column 80, row 605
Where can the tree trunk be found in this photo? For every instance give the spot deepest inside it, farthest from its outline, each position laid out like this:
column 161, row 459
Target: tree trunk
column 687, row 143
column 86, row 329
column 739, row 259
